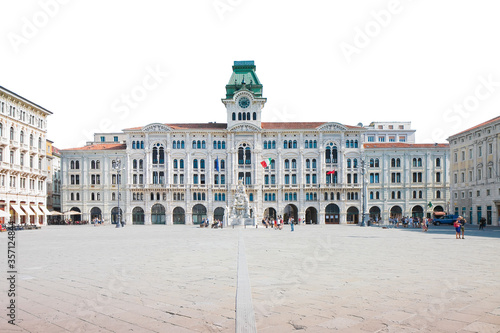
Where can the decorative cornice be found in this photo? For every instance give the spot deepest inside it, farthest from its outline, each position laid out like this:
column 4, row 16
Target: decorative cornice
column 336, row 127
column 156, row 127
column 245, row 128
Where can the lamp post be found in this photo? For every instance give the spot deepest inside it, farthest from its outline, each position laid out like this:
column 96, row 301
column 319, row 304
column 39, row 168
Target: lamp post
column 363, row 195
column 116, row 164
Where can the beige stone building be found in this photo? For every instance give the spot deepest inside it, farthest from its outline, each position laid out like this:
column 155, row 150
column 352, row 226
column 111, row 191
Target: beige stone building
column 475, row 172
column 23, row 161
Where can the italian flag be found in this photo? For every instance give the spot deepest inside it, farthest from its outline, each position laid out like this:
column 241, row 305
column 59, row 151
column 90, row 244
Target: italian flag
column 266, row 163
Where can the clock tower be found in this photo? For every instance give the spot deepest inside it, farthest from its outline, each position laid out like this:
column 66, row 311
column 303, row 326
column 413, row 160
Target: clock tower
column 244, row 100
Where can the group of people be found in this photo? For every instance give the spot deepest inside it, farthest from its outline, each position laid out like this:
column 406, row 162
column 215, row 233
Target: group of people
column 412, row 222
column 97, row 222
column 205, row 223
column 277, row 223
column 459, row 226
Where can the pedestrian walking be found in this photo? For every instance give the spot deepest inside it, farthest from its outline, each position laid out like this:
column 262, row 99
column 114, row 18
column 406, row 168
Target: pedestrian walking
column 482, row 223
column 463, row 221
column 457, row 227
column 291, row 224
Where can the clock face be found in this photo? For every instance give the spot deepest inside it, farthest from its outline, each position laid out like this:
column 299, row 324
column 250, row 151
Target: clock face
column 244, row 102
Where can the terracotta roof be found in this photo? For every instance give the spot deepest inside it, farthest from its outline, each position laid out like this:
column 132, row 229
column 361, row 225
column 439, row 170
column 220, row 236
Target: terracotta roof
column 265, row 125
column 477, row 126
column 100, row 146
column 406, row 145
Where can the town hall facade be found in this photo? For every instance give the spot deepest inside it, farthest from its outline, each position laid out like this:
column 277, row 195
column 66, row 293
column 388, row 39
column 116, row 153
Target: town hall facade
column 315, row 172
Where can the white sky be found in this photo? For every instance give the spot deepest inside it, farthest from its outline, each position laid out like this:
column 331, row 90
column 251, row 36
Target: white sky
column 83, row 56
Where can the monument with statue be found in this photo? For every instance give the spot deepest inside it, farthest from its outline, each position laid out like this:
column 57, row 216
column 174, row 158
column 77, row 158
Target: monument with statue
column 239, row 211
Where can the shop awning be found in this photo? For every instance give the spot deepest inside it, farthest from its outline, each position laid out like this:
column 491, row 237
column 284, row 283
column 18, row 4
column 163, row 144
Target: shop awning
column 27, row 209
column 36, row 210
column 439, row 213
column 45, row 210
column 18, row 209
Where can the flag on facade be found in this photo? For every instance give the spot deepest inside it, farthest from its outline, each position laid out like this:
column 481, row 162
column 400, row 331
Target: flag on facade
column 267, row 163
column 331, row 172
column 217, row 164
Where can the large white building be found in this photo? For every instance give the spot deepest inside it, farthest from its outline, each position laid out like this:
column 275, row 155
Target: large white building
column 23, row 165
column 182, row 173
column 475, row 172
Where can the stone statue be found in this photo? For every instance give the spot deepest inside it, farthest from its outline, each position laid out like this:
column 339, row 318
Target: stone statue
column 241, row 206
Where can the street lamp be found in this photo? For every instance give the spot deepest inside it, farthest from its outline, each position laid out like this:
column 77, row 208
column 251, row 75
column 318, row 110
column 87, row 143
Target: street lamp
column 363, row 195
column 116, row 165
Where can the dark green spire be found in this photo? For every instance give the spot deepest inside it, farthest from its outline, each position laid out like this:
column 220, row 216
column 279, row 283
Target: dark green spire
column 243, row 72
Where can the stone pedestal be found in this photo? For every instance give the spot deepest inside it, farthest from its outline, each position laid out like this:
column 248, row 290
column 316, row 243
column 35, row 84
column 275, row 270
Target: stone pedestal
column 241, row 221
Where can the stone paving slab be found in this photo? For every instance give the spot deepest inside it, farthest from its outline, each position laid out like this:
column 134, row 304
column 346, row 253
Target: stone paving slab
column 315, row 279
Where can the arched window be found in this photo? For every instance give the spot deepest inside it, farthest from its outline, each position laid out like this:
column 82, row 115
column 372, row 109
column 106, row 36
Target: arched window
column 355, row 163
column 194, row 144
column 377, row 164
column 348, row 163
column 255, row 116
column 223, row 144
column 219, row 145
column 234, row 116
column 202, row 164
column 372, row 162
column 274, row 144
column 203, row 145
column 198, row 144
column 222, row 164
column 239, row 115
column 182, row 144
column 21, row 137
column 355, row 143
column 12, row 133
column 162, row 155
column 181, row 164
column 285, row 144
column 155, row 155
column 294, row 164
column 419, row 162
column 308, row 163
column 347, row 144
column 265, row 144
column 133, row 144
column 195, row 164
column 39, row 143
column 142, row 144
column 287, row 164
column 31, row 140
column 250, row 197
column 77, row 165
column 294, row 143
column 331, row 153
column 393, row 162
column 1, row 129
column 134, row 164
column 314, row 163
column 140, row 164
column 438, row 162
column 248, row 156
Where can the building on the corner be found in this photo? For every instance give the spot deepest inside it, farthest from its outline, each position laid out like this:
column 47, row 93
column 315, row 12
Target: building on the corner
column 23, row 161
column 475, row 172
column 311, row 171
column 53, row 182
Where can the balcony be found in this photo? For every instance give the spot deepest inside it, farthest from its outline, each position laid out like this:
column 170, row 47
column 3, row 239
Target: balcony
column 24, row 147
column 4, row 141
column 14, row 143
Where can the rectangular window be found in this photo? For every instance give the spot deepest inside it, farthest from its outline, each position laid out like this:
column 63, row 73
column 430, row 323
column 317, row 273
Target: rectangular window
column 381, row 139
column 115, row 139
column 103, row 139
column 392, row 139
column 402, row 139
column 287, row 179
column 371, row 139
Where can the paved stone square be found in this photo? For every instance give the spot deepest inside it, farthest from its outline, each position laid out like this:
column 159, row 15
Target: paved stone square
column 319, row 278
